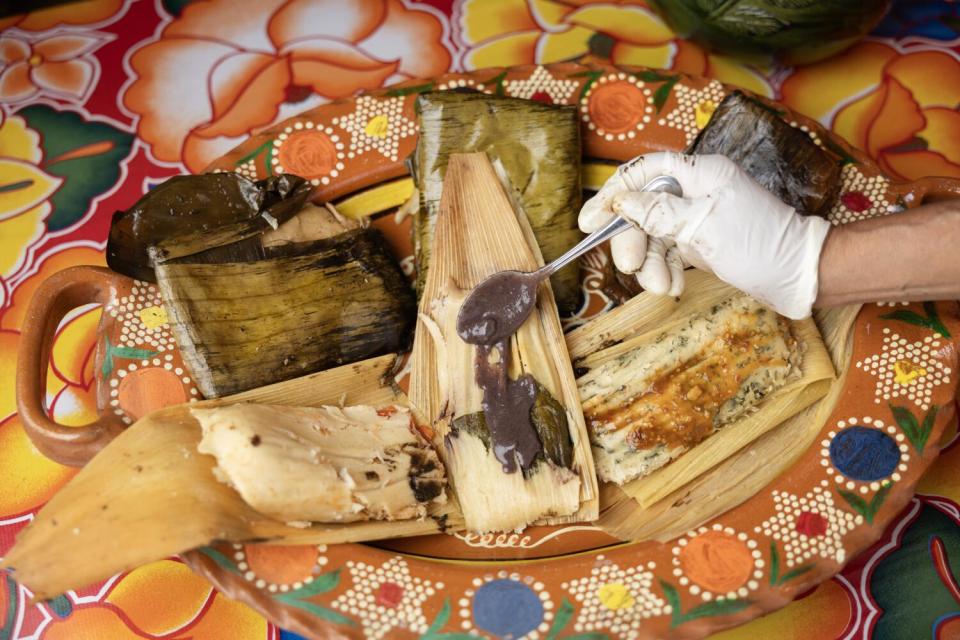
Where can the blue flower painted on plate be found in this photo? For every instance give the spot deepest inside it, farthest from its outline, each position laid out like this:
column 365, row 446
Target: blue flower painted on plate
column 507, row 608
column 864, row 454
column 935, row 19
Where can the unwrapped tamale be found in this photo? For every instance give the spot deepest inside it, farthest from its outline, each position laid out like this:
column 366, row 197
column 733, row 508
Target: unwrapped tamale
column 538, row 146
column 781, row 158
column 671, row 390
column 323, row 464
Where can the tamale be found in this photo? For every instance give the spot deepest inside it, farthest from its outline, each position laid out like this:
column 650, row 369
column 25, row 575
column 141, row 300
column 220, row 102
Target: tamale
column 538, row 145
column 669, row 392
column 246, row 314
column 169, row 500
column 646, row 317
column 559, row 485
column 781, row 158
column 323, row 464
column 187, row 214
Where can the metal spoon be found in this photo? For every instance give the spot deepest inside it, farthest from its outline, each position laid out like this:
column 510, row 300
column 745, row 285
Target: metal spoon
column 499, row 305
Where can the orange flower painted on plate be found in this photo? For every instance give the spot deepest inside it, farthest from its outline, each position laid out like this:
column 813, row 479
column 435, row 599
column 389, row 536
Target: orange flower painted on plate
column 57, row 66
column 717, row 561
column 901, row 108
column 308, row 153
column 514, row 32
column 198, row 96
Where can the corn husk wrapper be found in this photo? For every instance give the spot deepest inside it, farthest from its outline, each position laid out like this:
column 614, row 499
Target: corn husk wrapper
column 468, row 248
column 149, row 494
column 626, row 507
column 745, row 472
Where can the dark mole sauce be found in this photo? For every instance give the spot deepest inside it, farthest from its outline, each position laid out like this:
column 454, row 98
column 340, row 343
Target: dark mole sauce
column 488, row 317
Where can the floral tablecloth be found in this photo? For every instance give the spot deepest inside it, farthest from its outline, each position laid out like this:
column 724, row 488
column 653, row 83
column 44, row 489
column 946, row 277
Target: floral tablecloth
column 101, row 99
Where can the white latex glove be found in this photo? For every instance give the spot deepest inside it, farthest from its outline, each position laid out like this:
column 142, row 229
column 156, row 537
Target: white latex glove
column 725, row 223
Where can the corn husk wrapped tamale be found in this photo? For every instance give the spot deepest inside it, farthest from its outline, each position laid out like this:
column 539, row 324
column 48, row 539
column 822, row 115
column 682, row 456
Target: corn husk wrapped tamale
column 269, row 309
column 169, row 500
column 782, row 159
column 538, row 146
column 647, row 317
column 188, row 214
column 560, row 486
column 738, row 477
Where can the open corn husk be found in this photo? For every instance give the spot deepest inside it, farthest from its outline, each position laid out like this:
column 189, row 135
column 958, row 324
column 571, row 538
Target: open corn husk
column 746, row 471
column 614, row 333
column 149, row 494
column 468, row 248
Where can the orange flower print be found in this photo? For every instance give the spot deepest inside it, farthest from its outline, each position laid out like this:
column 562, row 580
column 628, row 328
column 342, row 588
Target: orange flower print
column 512, row 32
column 57, row 66
column 197, row 96
column 69, row 14
column 899, row 107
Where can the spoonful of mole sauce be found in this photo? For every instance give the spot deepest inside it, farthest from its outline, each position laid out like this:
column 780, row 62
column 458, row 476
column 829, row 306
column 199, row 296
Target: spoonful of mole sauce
column 500, row 304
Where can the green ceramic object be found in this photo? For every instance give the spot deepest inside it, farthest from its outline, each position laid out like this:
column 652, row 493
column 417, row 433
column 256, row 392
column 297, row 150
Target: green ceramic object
column 784, row 31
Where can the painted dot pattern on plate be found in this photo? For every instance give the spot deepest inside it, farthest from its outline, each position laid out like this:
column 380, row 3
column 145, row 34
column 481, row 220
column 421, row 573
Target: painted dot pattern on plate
column 907, row 370
column 717, row 562
column 616, row 598
column 506, row 605
column 861, row 454
column 376, row 124
column 142, row 318
column 861, row 197
column 694, row 108
column 617, row 106
column 542, row 86
column 386, row 597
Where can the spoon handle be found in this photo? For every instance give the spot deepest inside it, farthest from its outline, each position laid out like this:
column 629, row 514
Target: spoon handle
column 616, row 226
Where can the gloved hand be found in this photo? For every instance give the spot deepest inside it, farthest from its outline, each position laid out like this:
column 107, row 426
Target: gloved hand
column 725, row 223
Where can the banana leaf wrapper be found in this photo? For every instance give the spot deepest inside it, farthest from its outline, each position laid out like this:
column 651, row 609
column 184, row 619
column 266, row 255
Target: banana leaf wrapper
column 782, row 159
column 189, row 214
column 246, row 315
column 538, row 146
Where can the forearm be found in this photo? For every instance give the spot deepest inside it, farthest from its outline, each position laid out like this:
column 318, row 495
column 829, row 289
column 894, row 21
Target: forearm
column 914, row 255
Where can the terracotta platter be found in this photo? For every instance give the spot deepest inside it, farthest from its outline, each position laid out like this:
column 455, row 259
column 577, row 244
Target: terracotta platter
column 547, row 582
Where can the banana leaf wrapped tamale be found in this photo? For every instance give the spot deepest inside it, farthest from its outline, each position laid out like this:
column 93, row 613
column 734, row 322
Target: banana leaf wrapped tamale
column 187, row 214
column 274, row 307
column 539, row 147
column 550, row 478
column 783, row 159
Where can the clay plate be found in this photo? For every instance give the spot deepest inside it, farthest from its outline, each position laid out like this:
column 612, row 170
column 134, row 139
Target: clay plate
column 548, row 582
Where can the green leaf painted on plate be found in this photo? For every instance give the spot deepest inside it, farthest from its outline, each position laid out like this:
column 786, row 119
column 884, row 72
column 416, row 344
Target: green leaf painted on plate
column 774, row 563
column 829, row 143
column 650, row 75
column 87, row 155
column 708, row 609
column 111, row 351
column 930, row 321
column 591, row 76
column 317, row 610
column 497, row 81
column 795, row 573
column 662, row 93
column 260, row 155
column 221, row 560
column 866, row 509
column 406, row 91
column 564, row 614
column 443, row 616
column 321, row 584
column 917, row 433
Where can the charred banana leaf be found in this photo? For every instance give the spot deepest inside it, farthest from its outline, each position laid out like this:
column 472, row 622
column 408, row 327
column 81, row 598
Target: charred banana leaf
column 538, row 145
column 188, row 214
column 783, row 159
column 256, row 315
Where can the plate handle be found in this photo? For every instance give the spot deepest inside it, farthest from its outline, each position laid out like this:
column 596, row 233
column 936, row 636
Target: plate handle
column 56, row 296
